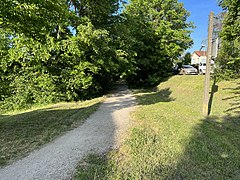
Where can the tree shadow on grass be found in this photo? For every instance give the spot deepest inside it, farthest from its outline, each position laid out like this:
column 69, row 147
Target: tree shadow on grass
column 213, row 149
column 1, row 116
column 235, row 99
column 22, row 133
column 149, row 97
column 213, row 152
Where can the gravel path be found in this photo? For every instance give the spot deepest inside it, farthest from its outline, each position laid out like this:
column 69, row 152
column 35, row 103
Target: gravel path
column 101, row 132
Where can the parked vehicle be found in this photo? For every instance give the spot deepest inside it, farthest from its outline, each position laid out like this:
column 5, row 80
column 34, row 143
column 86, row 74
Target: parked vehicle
column 187, row 69
column 176, row 69
column 202, row 68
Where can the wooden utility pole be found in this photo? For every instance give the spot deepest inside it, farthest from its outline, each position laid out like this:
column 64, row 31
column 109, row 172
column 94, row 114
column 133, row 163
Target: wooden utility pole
column 208, row 66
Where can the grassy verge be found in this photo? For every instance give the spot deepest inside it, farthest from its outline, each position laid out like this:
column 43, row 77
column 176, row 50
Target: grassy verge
column 170, row 139
column 22, row 132
column 92, row 166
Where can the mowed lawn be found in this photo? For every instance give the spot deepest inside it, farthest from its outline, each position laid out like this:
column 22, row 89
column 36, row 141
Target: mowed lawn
column 22, row 132
column 170, row 139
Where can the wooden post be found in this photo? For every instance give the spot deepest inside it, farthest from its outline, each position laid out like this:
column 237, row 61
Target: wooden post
column 208, row 66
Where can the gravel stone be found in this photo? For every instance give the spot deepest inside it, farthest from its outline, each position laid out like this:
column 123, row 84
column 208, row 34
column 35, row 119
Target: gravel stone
column 101, row 132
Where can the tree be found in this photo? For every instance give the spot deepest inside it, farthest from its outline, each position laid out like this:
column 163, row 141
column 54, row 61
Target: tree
column 187, row 58
column 160, row 34
column 34, row 18
column 43, row 62
column 229, row 56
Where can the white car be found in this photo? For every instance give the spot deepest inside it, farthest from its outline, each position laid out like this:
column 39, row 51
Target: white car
column 202, row 68
column 187, row 69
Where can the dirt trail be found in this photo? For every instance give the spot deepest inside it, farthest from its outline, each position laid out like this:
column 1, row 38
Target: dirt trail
column 101, row 132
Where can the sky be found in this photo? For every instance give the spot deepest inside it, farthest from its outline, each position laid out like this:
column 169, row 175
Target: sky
column 200, row 10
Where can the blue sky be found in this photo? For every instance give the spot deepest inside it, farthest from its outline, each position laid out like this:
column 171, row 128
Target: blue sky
column 200, row 10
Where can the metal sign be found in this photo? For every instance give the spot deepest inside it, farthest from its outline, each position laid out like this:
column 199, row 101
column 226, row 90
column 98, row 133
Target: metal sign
column 217, row 28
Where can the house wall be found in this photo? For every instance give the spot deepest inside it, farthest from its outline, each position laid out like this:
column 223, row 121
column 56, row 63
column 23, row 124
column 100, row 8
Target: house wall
column 203, row 59
column 196, row 59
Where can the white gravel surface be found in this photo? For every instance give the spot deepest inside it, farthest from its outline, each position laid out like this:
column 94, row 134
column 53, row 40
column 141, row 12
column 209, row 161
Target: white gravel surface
column 101, row 132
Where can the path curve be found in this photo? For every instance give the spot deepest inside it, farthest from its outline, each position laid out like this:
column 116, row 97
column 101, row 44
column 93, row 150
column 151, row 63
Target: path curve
column 100, row 132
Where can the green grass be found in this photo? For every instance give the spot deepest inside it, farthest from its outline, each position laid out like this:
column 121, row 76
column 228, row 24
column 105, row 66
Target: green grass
column 22, row 132
column 170, row 139
column 92, row 167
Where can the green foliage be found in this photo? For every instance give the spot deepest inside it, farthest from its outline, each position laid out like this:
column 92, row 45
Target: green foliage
column 4, row 47
column 43, row 62
column 231, row 28
column 94, row 64
column 25, row 78
column 99, row 12
column 28, row 88
column 70, row 50
column 228, row 60
column 229, row 56
column 78, row 67
column 187, row 58
column 34, row 18
column 160, row 34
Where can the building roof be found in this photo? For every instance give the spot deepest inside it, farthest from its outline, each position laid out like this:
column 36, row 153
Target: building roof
column 201, row 53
